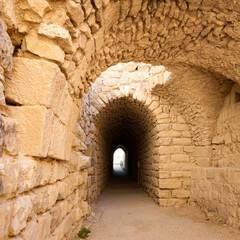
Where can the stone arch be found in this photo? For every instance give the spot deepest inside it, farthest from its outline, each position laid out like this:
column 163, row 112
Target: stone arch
column 73, row 43
column 167, row 144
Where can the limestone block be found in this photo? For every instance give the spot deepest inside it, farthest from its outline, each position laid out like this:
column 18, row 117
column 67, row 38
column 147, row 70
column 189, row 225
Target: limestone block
column 170, row 183
column 65, row 226
column 170, row 133
column 185, row 174
column 90, row 49
column 11, row 142
column 6, row 49
column 136, row 7
column 75, row 12
column 35, row 82
column 72, row 118
column 203, row 156
column 180, row 158
column 38, row 228
column 99, row 39
column 111, row 14
column 68, row 185
column 164, row 193
column 179, row 127
column 68, row 145
column 38, row 6
column 80, row 132
column 2, row 96
column 6, row 211
column 81, row 161
column 78, row 145
column 33, row 129
column 75, row 80
column 8, row 13
column 2, row 135
column 65, row 106
column 180, row 193
column 58, row 140
column 22, row 208
column 43, row 47
column 9, row 178
column 97, row 3
column 44, row 223
column 58, row 33
column 58, row 171
column 85, row 208
column 46, row 197
column 167, row 150
column 58, row 212
column 172, row 202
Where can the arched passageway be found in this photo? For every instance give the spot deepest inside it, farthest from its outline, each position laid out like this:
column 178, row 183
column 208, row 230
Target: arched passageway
column 124, row 122
column 52, row 51
column 120, row 110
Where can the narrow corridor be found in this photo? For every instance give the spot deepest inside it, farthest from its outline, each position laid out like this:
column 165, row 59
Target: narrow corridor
column 125, row 212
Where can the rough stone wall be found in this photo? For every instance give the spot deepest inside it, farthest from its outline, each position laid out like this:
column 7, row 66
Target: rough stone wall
column 216, row 189
column 41, row 197
column 165, row 152
column 73, row 42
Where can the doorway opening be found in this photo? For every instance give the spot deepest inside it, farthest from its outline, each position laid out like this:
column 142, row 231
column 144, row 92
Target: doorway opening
column 119, row 161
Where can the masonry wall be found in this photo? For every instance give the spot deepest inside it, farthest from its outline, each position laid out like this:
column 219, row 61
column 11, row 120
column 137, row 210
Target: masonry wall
column 43, row 180
column 51, row 51
column 216, row 188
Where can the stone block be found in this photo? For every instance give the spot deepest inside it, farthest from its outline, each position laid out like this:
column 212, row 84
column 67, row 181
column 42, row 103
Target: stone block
column 75, row 12
column 135, row 7
column 169, row 150
column 180, row 193
column 22, row 207
column 32, row 231
column 181, row 141
column 43, row 47
column 203, row 156
column 57, row 140
column 8, row 13
column 171, row 133
column 9, row 178
column 164, row 193
column 99, row 39
column 46, row 197
column 54, row 31
column 39, row 7
column 172, row 202
column 180, row 158
column 111, row 14
column 180, row 127
column 2, row 135
column 59, row 171
column 34, row 125
column 170, row 183
column 6, row 213
column 35, row 82
column 11, row 142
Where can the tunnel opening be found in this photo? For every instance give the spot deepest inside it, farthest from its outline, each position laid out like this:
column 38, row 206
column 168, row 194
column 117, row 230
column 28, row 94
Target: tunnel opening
column 126, row 123
column 120, row 161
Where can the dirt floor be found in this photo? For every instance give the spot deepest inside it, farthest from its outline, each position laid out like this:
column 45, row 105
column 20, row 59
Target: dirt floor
column 125, row 212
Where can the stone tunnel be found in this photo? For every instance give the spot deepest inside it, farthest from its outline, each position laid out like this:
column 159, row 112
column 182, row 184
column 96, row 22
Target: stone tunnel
column 80, row 77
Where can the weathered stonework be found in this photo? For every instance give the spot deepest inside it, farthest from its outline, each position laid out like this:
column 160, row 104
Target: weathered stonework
column 53, row 138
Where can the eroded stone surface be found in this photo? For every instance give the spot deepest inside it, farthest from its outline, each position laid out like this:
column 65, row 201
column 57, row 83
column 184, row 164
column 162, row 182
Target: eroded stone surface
column 195, row 126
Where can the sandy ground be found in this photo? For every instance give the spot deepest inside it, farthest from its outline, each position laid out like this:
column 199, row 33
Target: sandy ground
column 125, row 212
